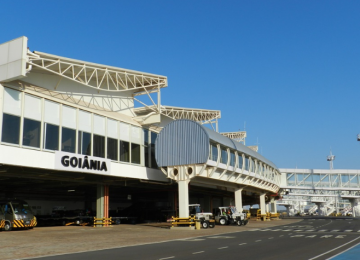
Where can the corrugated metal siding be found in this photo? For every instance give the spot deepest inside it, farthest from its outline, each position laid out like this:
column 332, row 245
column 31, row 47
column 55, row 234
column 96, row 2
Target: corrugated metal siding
column 182, row 142
column 187, row 142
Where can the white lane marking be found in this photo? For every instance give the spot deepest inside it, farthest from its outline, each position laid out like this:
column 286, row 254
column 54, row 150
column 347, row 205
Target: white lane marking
column 311, row 236
column 256, row 229
column 287, row 230
column 198, row 252
column 340, row 236
column 257, row 240
column 242, row 244
column 167, row 258
column 298, row 230
column 265, row 230
column 335, row 230
column 276, row 229
column 221, row 237
column 336, row 249
column 310, row 230
column 223, row 247
column 326, row 236
column 281, row 235
column 298, row 236
column 192, row 239
column 322, row 230
column 348, row 230
column 271, row 237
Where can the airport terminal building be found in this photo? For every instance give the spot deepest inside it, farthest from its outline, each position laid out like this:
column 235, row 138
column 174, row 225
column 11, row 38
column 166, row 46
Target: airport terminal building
column 80, row 135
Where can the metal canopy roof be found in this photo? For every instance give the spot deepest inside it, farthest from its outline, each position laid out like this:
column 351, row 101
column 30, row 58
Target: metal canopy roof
column 101, row 77
column 198, row 115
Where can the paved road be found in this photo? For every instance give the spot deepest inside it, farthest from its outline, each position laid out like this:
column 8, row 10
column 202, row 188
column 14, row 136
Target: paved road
column 308, row 239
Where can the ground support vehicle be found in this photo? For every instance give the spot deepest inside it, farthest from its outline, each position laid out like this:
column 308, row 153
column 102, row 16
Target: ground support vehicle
column 230, row 215
column 122, row 216
column 66, row 218
column 17, row 214
column 119, row 220
column 206, row 219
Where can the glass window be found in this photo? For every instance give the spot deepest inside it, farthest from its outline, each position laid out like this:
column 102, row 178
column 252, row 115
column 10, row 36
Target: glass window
column 124, row 151
column 240, row 164
column 51, row 137
column 84, row 143
column 146, row 148
column 214, row 152
column 99, row 146
column 232, row 159
column 246, row 163
column 152, row 155
column 68, row 140
column 10, row 129
column 224, row 155
column 31, row 134
column 112, row 149
column 135, row 153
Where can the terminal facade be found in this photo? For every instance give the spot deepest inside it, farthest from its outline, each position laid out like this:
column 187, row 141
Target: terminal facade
column 79, row 135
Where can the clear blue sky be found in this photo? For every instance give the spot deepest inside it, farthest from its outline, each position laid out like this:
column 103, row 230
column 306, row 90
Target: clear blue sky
column 289, row 69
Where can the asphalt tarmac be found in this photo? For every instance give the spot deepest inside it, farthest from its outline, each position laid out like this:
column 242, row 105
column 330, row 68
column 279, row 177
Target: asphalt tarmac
column 306, row 239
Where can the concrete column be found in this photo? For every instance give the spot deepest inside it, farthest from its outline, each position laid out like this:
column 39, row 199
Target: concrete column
column 287, row 210
column 273, row 205
column 262, row 203
column 267, row 207
column 238, row 200
column 320, row 211
column 100, row 201
column 355, row 207
column 183, row 191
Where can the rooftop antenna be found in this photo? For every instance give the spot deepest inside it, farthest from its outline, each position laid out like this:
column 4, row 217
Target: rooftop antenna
column 330, row 159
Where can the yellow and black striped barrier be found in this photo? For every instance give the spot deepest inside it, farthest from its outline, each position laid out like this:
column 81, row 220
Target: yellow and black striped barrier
column 2, row 223
column 105, row 222
column 183, row 221
column 21, row 224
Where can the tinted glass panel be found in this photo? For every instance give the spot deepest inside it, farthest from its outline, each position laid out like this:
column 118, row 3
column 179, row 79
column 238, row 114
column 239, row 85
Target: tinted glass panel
column 51, row 137
column 240, row 162
column 146, row 148
column 135, row 153
column 152, row 151
column 214, row 152
column 232, row 159
column 99, row 146
column 112, row 149
column 68, row 140
column 84, row 143
column 10, row 129
column 224, row 156
column 246, row 163
column 31, row 134
column 124, row 151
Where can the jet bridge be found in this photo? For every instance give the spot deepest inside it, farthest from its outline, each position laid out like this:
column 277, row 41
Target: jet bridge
column 187, row 151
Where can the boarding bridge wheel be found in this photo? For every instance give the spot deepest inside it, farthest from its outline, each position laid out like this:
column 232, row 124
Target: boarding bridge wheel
column 239, row 222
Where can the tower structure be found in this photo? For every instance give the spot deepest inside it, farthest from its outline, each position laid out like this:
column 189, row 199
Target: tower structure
column 330, row 159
